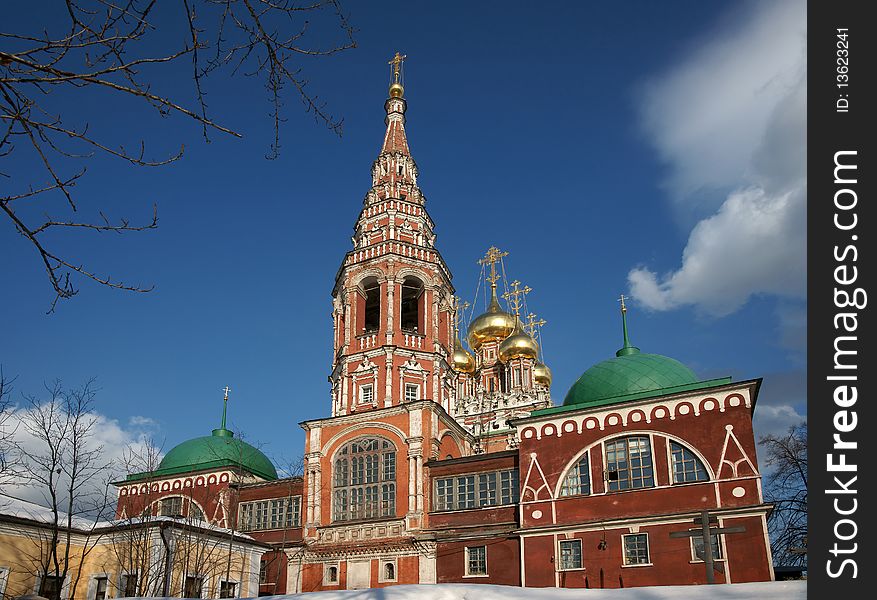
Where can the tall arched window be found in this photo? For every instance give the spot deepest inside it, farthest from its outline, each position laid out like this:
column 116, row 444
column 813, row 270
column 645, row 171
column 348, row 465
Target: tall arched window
column 686, row 465
column 578, row 478
column 364, row 480
column 629, row 463
column 411, row 305
column 372, row 305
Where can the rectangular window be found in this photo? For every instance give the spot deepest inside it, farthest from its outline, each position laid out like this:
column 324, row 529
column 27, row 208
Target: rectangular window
column 697, row 546
column 474, row 491
column 100, row 588
column 193, row 586
column 476, row 560
column 263, row 572
column 388, row 500
column 331, row 574
column 172, row 507
column 366, row 394
column 228, row 589
column 629, row 463
column 128, row 585
column 412, row 392
column 636, row 549
column 389, row 466
column 50, row 587
column 570, row 554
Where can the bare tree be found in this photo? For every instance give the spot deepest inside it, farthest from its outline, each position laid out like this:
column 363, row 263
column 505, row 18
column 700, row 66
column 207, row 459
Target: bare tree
column 786, row 488
column 8, row 426
column 112, row 46
column 62, row 460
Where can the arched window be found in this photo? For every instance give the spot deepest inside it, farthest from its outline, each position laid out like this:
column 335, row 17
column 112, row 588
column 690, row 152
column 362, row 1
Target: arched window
column 578, row 478
column 686, row 465
column 412, row 305
column 364, row 480
column 629, row 463
column 372, row 305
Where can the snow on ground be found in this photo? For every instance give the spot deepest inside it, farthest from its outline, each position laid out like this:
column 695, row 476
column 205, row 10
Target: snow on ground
column 771, row 590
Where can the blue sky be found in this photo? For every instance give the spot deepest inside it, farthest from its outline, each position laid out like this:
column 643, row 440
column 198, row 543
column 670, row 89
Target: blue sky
column 654, row 149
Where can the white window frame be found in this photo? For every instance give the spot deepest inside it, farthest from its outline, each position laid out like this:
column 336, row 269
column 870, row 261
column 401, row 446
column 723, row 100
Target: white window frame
column 625, row 563
column 326, row 580
column 65, row 585
column 235, row 582
column 4, row 579
column 92, row 585
column 560, row 543
column 205, row 585
column 719, row 544
column 382, row 578
column 416, row 388
column 121, row 589
column 466, row 564
column 362, row 388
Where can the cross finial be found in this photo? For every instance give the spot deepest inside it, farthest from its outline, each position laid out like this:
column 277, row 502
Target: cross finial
column 514, row 297
column 458, row 308
column 621, row 299
column 627, row 348
column 532, row 324
column 493, row 256
column 224, row 405
column 397, row 65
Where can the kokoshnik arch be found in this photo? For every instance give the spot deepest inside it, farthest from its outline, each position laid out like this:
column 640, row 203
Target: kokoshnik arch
column 441, row 463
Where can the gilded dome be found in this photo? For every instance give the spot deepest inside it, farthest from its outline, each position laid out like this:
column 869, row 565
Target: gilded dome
column 396, row 90
column 542, row 374
column 494, row 325
column 518, row 345
column 462, row 360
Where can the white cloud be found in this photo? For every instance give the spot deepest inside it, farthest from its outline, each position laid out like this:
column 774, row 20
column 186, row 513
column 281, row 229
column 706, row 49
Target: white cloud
column 732, row 118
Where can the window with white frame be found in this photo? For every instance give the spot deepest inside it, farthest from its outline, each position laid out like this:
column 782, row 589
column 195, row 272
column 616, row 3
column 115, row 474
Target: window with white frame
column 476, row 560
column 578, row 478
column 51, row 587
column 4, row 579
column 366, row 394
column 128, row 585
column 100, row 588
column 686, row 465
column 629, row 463
column 474, row 491
column 570, row 554
column 364, row 480
column 330, row 575
column 228, row 589
column 388, row 571
column 697, row 552
column 276, row 513
column 636, row 549
column 412, row 392
column 171, row 507
column 193, row 586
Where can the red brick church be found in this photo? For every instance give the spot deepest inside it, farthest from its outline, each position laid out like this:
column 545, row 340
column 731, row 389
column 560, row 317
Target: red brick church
column 439, row 463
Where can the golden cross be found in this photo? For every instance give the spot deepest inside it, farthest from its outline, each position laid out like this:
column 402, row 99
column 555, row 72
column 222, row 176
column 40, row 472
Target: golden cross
column 493, row 256
column 397, row 64
column 621, row 299
column 514, row 297
column 226, row 390
column 531, row 324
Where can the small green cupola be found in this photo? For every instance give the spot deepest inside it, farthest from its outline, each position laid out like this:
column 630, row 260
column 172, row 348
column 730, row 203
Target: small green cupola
column 630, row 372
column 220, row 449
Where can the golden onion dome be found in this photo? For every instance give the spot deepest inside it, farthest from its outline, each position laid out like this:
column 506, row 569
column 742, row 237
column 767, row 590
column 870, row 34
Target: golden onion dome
column 462, row 360
column 542, row 374
column 494, row 325
column 518, row 345
column 396, row 90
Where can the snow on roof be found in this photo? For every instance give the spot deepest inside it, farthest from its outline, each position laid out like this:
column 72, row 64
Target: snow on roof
column 775, row 590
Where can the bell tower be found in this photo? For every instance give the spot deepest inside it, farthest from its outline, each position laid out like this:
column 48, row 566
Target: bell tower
column 393, row 298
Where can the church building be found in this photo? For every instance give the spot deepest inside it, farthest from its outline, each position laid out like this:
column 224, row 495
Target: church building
column 443, row 458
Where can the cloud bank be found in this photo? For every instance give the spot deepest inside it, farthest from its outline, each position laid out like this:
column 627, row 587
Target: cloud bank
column 730, row 123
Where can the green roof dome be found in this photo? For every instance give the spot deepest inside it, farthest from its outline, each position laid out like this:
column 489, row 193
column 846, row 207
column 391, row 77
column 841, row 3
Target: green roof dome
column 630, row 372
column 221, row 448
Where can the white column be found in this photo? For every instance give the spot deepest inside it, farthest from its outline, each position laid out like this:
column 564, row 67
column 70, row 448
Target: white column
column 419, row 468
column 412, row 482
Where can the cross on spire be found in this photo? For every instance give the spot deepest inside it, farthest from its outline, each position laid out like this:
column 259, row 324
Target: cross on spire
column 621, row 299
column 493, row 256
column 514, row 298
column 456, row 313
column 627, row 348
column 397, row 65
column 224, row 405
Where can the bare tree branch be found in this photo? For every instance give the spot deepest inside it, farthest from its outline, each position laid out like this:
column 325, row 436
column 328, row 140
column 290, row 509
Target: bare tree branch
column 111, row 46
column 786, row 488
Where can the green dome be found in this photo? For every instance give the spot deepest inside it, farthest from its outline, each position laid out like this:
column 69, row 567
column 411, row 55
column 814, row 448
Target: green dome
column 628, row 373
column 221, row 448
